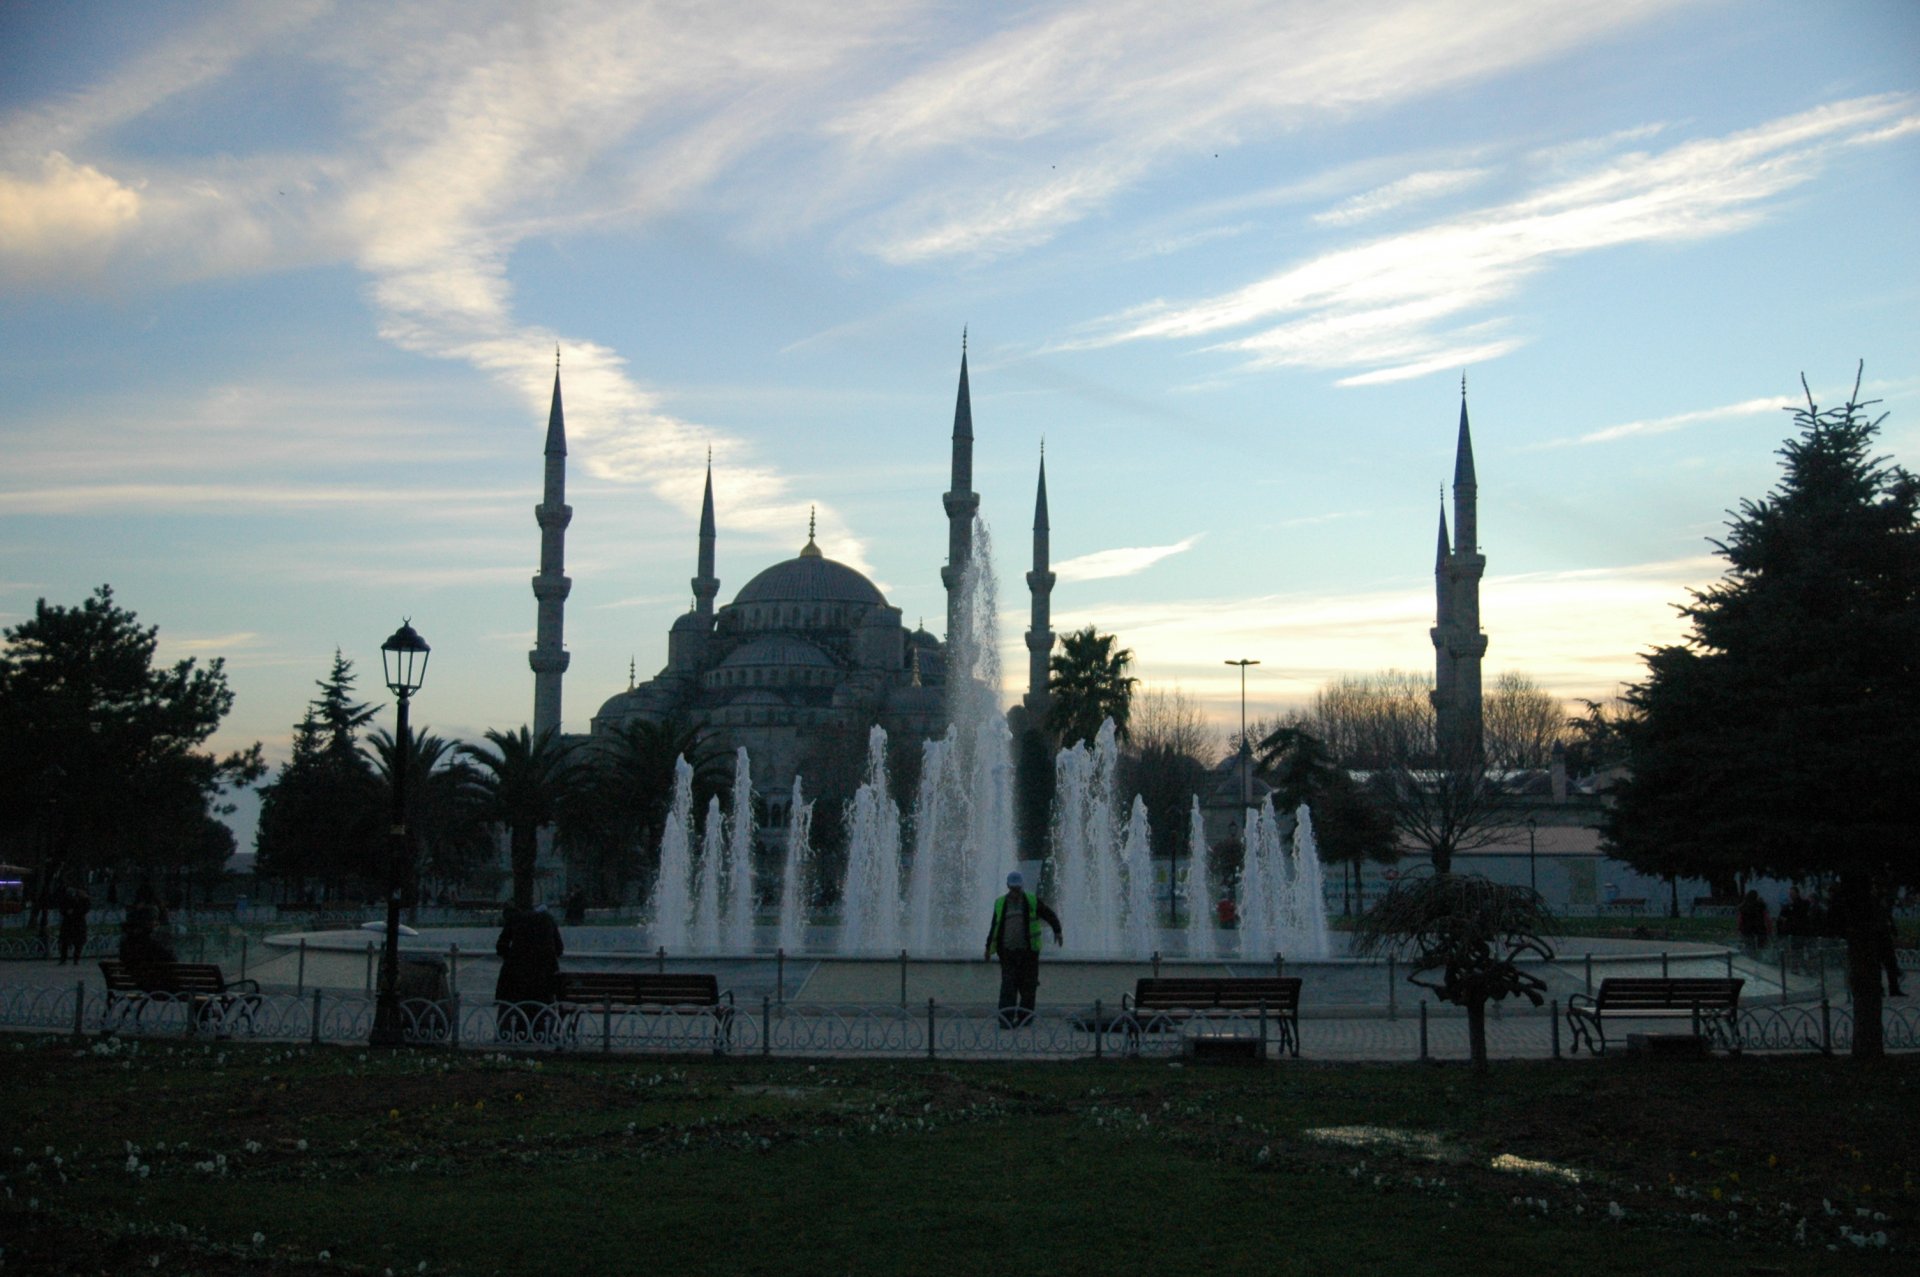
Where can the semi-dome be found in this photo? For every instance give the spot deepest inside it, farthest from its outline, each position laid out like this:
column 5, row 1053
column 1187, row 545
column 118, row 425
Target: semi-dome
column 776, row 652
column 810, row 578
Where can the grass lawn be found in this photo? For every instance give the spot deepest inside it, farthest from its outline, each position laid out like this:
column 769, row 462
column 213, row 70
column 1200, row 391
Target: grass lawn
column 172, row 1157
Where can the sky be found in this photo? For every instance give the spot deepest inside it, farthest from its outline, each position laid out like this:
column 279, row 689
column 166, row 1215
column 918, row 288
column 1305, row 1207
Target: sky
column 281, row 286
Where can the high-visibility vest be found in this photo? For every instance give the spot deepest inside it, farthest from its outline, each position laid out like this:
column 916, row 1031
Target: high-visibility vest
column 1033, row 920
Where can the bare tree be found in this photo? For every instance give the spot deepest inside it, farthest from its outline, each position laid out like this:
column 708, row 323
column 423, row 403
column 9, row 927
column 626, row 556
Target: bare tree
column 1374, row 721
column 1172, row 721
column 1443, row 810
column 1522, row 720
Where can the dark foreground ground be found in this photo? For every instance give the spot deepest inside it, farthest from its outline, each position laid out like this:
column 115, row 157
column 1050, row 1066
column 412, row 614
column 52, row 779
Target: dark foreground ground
column 123, row 1157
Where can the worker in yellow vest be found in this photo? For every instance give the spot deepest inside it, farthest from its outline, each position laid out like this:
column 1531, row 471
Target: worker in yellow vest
column 1015, row 938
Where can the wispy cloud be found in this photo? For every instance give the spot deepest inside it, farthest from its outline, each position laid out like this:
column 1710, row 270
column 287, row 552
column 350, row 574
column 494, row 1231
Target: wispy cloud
column 1078, row 105
column 1677, row 421
column 1393, row 306
column 1412, row 189
column 1126, row 561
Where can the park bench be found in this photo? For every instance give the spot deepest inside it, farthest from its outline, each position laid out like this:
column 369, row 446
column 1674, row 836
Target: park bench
column 1709, row 1004
column 212, row 1001
column 608, row 993
column 1159, row 1003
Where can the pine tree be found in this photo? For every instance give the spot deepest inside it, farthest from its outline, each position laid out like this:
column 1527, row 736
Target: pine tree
column 1783, row 736
column 318, row 816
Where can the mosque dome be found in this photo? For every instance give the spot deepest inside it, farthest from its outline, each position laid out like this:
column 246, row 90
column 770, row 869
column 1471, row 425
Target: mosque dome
column 810, row 578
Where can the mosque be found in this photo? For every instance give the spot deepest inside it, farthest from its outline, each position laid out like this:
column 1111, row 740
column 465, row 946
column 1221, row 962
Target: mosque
column 809, row 649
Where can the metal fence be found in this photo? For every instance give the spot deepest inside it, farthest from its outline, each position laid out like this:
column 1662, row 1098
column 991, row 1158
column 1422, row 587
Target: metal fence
column 930, row 1031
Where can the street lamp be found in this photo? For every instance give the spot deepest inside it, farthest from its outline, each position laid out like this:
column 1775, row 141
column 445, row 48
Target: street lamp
column 403, row 658
column 1533, row 865
column 1246, row 750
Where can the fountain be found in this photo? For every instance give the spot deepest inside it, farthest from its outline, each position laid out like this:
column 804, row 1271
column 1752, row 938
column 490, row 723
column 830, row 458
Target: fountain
column 927, row 887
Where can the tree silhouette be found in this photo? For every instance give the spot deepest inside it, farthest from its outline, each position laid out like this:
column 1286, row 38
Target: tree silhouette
column 523, row 784
column 1465, row 936
column 1088, row 683
column 1782, row 737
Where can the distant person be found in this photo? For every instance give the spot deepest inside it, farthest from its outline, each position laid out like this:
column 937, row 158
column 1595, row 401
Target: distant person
column 74, row 907
column 1015, row 938
column 576, row 907
column 1751, row 922
column 530, row 948
column 1885, row 935
column 1794, row 923
column 140, row 938
column 1228, row 913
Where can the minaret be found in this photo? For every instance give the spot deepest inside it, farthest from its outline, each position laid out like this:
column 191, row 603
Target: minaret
column 705, row 583
column 1442, row 631
column 961, row 503
column 1040, row 584
column 1459, row 644
column 549, row 655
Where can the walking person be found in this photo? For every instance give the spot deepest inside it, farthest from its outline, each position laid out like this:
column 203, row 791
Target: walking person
column 1015, row 938
column 74, row 906
column 530, row 948
column 140, row 936
column 1752, row 924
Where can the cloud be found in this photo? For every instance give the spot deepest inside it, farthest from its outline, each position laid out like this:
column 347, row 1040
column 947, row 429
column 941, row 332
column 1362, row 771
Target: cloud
column 65, row 218
column 1392, row 306
column 1408, row 190
column 1127, row 561
column 1677, row 421
column 217, row 644
column 1047, row 121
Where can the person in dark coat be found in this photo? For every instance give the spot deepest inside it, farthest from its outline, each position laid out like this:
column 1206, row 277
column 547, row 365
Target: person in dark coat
column 140, row 938
column 74, row 906
column 1752, row 923
column 530, row 948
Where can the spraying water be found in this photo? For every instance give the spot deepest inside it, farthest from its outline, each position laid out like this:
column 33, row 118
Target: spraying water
column 793, row 879
column 737, row 929
column 706, row 898
column 870, row 903
column 1202, row 939
column 671, row 904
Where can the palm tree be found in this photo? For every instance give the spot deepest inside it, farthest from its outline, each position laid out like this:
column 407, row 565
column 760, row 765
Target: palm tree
column 627, row 789
column 1471, row 931
column 523, row 783
column 1087, row 684
column 449, row 834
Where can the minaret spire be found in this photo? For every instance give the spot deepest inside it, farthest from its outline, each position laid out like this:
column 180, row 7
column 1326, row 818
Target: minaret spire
column 549, row 657
column 961, row 503
column 705, row 583
column 1040, row 585
column 1457, row 641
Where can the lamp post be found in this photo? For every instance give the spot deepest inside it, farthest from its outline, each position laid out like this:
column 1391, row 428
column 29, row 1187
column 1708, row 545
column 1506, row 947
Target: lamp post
column 1533, row 865
column 403, row 658
column 1246, row 750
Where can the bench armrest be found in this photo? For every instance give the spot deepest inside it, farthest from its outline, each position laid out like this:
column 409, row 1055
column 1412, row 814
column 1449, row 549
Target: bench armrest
column 248, row 986
column 1581, row 1002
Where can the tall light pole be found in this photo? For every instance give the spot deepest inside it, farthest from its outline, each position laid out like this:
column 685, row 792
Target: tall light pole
column 403, row 658
column 1246, row 750
column 1533, row 875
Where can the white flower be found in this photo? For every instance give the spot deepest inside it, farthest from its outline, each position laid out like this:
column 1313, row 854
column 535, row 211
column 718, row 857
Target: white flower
column 1615, row 1210
column 325, row 1255
column 259, row 1239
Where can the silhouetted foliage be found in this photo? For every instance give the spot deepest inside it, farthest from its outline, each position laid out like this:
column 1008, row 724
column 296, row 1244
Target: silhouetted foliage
column 1783, row 736
column 317, row 816
column 1464, row 937
column 523, row 784
column 102, row 764
column 1088, row 683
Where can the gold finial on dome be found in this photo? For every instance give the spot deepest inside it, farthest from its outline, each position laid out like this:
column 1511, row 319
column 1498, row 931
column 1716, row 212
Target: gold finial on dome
column 810, row 550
